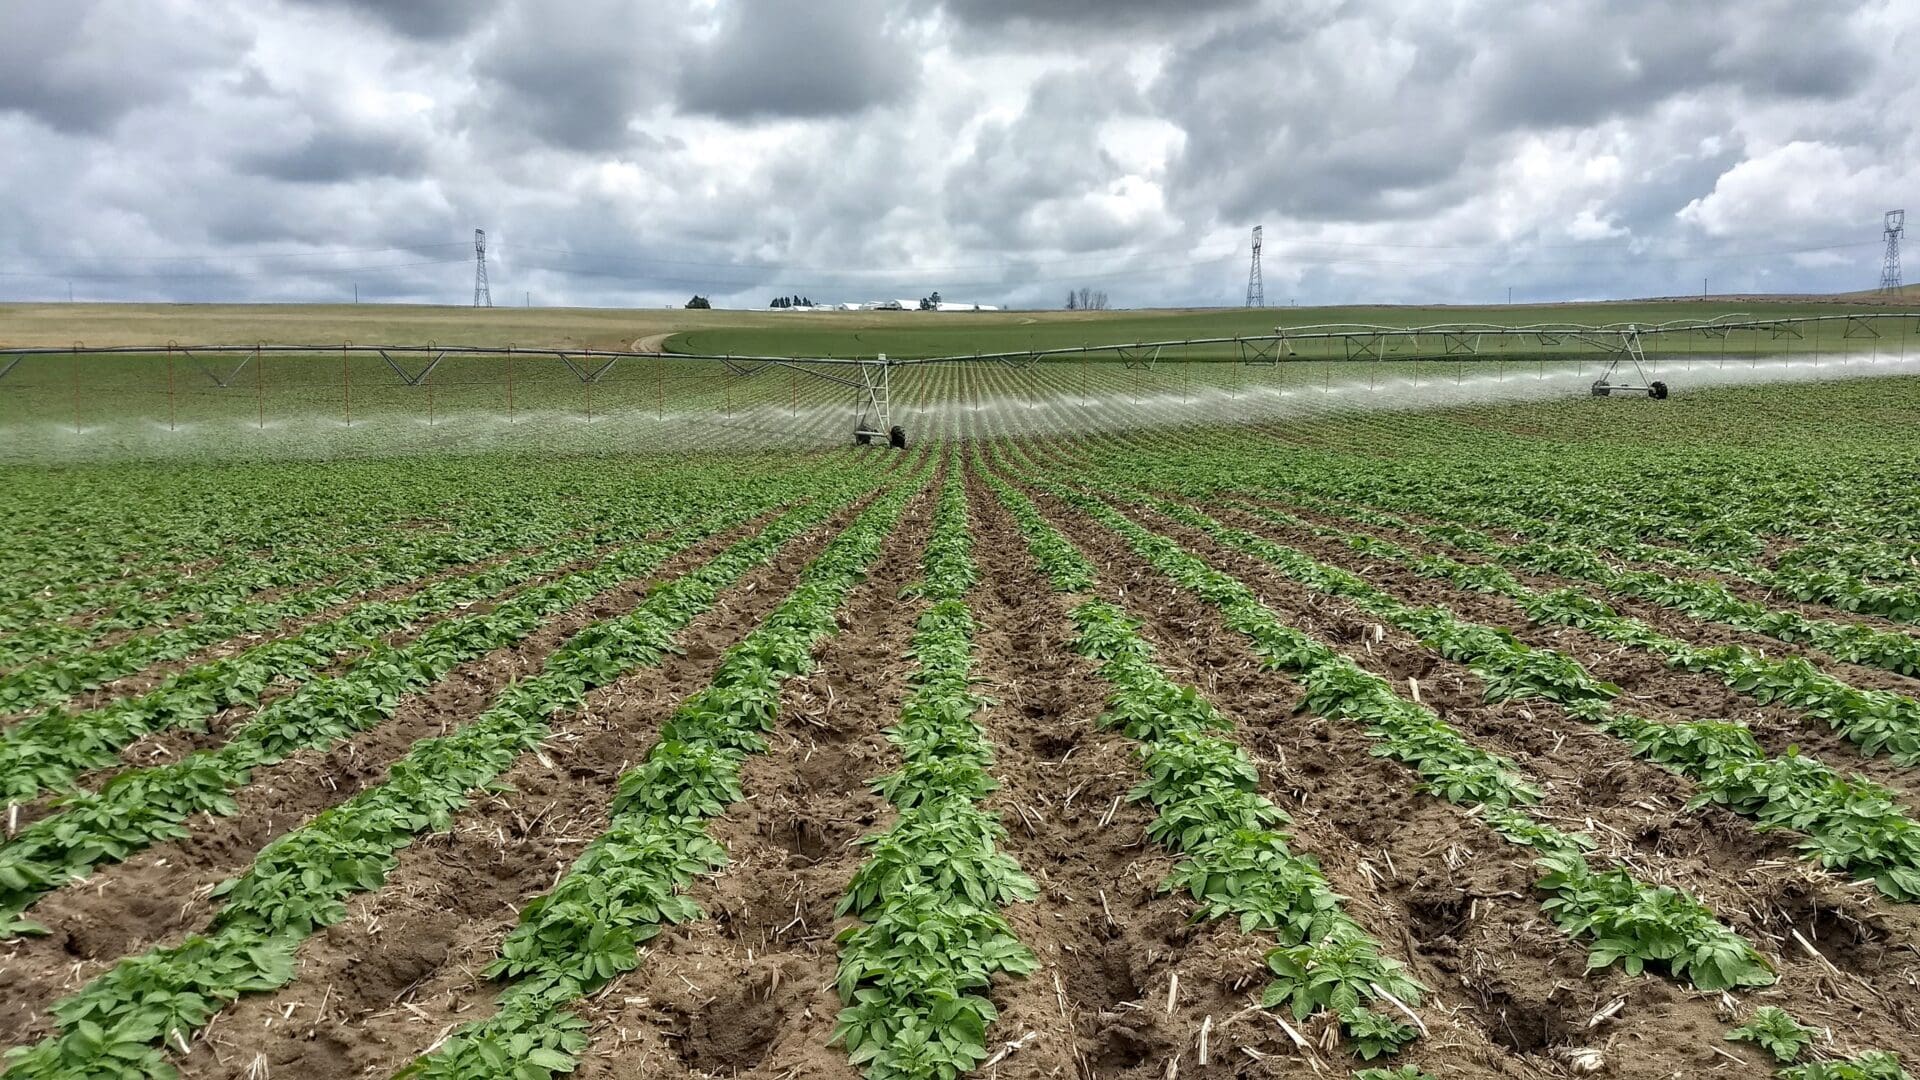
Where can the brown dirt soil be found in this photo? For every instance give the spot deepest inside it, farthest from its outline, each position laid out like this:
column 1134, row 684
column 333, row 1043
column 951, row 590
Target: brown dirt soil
column 1741, row 587
column 161, row 893
column 1854, row 996
column 748, row 991
column 1664, row 619
column 1110, row 943
column 404, row 967
column 154, row 674
column 160, row 747
column 1649, row 685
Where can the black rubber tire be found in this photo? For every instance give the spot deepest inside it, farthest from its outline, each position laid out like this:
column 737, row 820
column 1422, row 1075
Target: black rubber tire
column 897, row 437
column 1658, row 391
column 861, row 438
column 1600, row 389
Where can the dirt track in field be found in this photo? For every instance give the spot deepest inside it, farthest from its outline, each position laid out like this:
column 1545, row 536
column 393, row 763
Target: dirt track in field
column 452, row 898
column 1661, row 1026
column 160, row 893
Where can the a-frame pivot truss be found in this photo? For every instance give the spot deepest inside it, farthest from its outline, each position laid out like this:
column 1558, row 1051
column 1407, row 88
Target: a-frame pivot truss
column 1615, row 377
column 223, row 382
column 412, row 378
column 873, row 400
column 584, row 370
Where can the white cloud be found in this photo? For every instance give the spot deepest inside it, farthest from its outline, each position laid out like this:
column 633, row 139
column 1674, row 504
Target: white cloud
column 851, row 148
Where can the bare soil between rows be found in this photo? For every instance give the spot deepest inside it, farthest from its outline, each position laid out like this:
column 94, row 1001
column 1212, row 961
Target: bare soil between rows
column 1698, row 855
column 172, row 744
column 379, row 988
column 161, row 893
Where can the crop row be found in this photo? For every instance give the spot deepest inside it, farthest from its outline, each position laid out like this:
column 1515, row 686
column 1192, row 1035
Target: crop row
column 1564, row 520
column 122, row 1019
column 143, row 806
column 51, row 749
column 53, row 680
column 226, row 597
column 1877, row 721
column 913, row 972
column 629, row 883
column 1705, row 599
column 1234, row 862
column 1628, row 921
column 1851, row 824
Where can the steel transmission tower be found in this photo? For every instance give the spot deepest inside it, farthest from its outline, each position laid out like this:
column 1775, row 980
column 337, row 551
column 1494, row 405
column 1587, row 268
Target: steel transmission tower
column 1256, row 288
column 482, row 295
column 1890, row 263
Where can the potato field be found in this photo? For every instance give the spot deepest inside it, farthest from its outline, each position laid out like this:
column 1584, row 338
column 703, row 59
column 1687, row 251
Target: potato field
column 1530, row 740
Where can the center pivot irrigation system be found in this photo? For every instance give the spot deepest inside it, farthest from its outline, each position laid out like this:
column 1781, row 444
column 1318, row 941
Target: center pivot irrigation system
column 1621, row 347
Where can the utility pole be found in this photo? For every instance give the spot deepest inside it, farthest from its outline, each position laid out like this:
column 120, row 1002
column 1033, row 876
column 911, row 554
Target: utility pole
column 1896, row 224
column 482, row 295
column 1256, row 286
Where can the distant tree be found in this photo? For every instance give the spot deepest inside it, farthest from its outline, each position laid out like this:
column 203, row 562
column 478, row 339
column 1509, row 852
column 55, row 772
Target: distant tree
column 935, row 298
column 1086, row 298
column 1100, row 300
column 699, row 301
column 1073, row 301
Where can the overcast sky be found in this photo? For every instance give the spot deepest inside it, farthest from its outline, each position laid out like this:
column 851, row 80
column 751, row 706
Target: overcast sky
column 621, row 152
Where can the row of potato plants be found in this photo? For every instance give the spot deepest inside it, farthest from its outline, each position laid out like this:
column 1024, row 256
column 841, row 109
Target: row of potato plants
column 1638, row 925
column 1234, row 859
column 1709, row 498
column 232, row 590
column 630, row 882
column 124, row 1019
column 88, row 542
column 314, row 548
column 58, row 678
column 1850, row 823
column 143, row 806
column 1449, row 482
column 1501, row 506
column 1876, row 721
column 913, row 972
column 1665, row 742
column 1699, row 598
column 51, row 749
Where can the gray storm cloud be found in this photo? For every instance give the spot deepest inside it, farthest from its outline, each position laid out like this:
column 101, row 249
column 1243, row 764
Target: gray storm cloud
column 621, row 152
